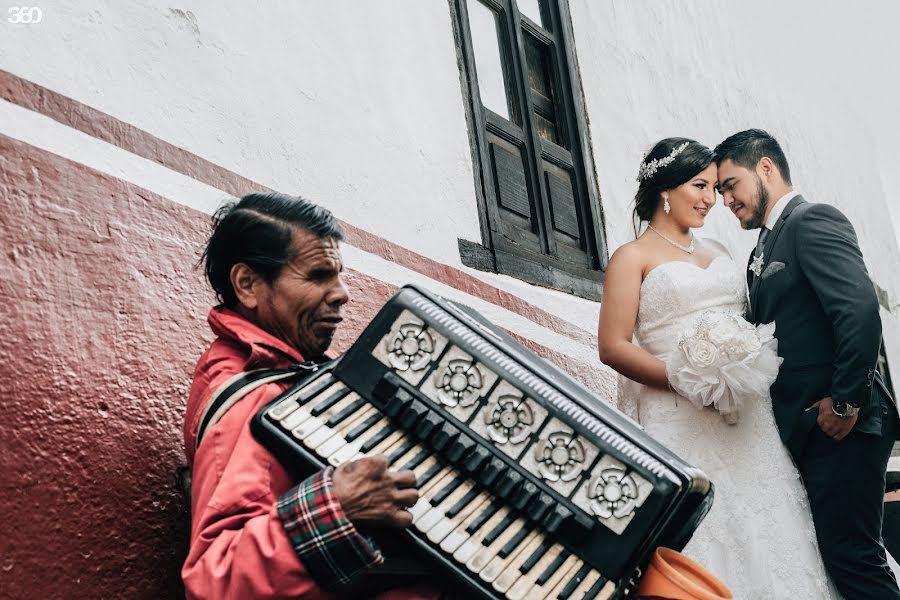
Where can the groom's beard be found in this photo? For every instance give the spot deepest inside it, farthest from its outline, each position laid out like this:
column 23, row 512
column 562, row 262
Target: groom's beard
column 762, row 203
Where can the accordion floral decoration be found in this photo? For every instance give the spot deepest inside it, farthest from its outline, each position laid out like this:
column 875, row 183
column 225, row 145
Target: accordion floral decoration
column 725, row 362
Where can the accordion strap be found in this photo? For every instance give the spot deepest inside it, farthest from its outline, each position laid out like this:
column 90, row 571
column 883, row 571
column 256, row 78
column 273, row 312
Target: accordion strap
column 238, row 386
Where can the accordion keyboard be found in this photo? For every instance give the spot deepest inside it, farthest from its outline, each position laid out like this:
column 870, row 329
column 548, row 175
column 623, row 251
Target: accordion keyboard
column 529, row 486
column 495, row 538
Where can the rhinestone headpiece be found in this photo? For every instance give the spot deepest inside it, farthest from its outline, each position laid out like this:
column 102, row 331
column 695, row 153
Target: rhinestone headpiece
column 648, row 169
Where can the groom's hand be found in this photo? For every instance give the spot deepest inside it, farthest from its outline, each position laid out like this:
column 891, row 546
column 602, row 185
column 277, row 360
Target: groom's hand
column 834, row 426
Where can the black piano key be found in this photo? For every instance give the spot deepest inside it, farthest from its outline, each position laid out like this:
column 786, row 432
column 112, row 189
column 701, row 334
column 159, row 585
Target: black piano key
column 595, row 589
column 481, row 519
column 556, row 518
column 361, row 428
column 538, row 507
column 314, row 389
column 431, row 423
column 447, row 490
column 462, row 503
column 514, row 542
column 415, row 411
column 523, row 495
column 446, row 434
column 399, row 451
column 329, row 401
column 574, row 582
column 502, row 526
column 491, row 471
column 507, row 483
column 477, row 457
column 346, row 412
column 536, row 556
column 377, row 438
column 552, row 567
column 428, row 475
column 460, row 447
column 398, row 403
column 415, row 461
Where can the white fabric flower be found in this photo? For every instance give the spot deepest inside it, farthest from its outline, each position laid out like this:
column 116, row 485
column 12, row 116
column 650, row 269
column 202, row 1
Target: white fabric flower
column 724, row 362
column 723, row 331
column 700, row 353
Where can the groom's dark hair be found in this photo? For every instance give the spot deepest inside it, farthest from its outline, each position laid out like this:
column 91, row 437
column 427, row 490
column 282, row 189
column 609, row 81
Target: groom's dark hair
column 746, row 148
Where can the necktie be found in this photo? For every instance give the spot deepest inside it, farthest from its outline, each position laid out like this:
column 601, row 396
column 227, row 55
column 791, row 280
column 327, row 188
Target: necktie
column 763, row 234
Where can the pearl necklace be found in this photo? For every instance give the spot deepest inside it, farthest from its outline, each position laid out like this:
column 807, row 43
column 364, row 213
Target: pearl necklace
column 689, row 248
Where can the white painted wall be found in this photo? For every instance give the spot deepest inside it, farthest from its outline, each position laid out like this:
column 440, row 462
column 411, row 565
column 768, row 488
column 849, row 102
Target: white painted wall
column 357, row 105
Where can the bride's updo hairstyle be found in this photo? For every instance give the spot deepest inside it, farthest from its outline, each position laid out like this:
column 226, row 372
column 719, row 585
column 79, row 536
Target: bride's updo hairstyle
column 670, row 163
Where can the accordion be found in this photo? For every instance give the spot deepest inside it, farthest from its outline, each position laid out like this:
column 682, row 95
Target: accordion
column 530, row 487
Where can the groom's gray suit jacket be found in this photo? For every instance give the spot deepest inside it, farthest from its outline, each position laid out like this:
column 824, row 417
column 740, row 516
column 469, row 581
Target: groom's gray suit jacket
column 813, row 283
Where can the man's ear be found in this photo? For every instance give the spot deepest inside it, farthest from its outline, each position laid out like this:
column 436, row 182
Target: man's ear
column 766, row 168
column 245, row 282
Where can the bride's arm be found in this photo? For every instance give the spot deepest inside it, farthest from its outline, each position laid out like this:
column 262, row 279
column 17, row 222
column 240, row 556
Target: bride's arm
column 618, row 315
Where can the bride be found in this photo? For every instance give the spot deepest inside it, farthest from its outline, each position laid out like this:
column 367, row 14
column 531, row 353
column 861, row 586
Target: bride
column 759, row 536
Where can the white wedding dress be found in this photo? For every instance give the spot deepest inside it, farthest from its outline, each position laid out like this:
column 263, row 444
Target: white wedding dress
column 759, row 537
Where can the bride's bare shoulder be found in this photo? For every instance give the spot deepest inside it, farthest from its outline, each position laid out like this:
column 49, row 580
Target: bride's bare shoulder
column 630, row 256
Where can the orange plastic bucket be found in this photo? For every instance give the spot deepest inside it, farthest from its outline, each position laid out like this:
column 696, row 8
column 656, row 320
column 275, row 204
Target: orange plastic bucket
column 673, row 576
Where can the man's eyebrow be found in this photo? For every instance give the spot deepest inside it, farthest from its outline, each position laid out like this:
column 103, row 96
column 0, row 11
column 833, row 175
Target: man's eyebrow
column 724, row 183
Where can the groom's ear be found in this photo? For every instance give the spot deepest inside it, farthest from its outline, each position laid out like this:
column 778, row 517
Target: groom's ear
column 765, row 168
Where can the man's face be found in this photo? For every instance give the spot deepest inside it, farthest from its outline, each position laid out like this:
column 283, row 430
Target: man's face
column 744, row 193
column 302, row 307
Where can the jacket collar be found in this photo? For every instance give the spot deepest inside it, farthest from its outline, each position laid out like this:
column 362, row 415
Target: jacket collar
column 264, row 349
column 770, row 243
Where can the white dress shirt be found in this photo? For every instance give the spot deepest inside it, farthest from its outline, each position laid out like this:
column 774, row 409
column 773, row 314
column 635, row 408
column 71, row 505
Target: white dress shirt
column 778, row 208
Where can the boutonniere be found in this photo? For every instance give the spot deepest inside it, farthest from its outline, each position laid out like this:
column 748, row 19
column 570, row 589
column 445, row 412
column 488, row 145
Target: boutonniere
column 756, row 265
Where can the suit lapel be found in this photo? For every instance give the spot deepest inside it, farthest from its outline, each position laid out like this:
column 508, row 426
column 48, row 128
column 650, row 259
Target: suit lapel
column 767, row 247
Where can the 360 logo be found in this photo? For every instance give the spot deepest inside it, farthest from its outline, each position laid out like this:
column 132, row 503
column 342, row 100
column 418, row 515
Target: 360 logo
column 28, row 15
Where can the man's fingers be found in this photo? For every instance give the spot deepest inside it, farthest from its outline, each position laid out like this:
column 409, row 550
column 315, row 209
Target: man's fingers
column 406, row 497
column 404, row 479
column 401, row 518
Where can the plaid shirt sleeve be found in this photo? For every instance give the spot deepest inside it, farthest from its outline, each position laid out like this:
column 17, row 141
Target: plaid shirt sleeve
column 326, row 542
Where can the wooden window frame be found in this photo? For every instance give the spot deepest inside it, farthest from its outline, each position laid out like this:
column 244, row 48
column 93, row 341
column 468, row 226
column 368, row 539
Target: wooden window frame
column 500, row 252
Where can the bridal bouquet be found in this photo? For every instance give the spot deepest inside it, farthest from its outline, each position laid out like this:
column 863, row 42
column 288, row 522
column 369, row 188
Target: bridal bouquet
column 724, row 361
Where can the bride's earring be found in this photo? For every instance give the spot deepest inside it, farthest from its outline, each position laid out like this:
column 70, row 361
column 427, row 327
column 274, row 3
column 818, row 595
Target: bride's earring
column 666, row 206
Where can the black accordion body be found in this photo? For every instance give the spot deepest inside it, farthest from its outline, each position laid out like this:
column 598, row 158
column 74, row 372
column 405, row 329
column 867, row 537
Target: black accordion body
column 530, row 487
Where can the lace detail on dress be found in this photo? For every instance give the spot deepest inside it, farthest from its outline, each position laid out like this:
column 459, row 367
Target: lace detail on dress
column 759, row 537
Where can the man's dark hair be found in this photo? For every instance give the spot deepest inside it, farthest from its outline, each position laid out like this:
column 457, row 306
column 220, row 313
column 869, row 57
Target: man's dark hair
column 257, row 230
column 746, row 148
column 684, row 166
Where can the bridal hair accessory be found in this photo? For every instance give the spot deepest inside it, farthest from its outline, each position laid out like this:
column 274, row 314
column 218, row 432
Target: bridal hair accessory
column 648, row 169
column 725, row 362
column 689, row 248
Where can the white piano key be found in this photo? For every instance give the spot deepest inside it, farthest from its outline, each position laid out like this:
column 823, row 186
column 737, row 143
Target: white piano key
column 318, row 437
column 334, row 444
column 432, row 517
column 558, row 581
column 499, row 565
column 587, row 583
column 478, row 562
column 446, row 525
column 307, row 427
column 459, row 535
column 284, row 408
column 527, row 581
column 468, row 549
column 295, row 418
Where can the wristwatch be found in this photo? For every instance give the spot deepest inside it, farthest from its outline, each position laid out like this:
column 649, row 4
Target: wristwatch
column 842, row 409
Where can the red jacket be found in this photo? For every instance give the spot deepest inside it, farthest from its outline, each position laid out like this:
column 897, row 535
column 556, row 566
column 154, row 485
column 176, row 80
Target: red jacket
column 239, row 547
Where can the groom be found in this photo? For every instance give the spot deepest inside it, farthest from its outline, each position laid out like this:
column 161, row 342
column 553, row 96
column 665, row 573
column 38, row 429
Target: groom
column 832, row 408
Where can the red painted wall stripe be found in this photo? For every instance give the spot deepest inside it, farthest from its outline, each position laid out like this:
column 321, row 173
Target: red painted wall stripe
column 105, row 127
